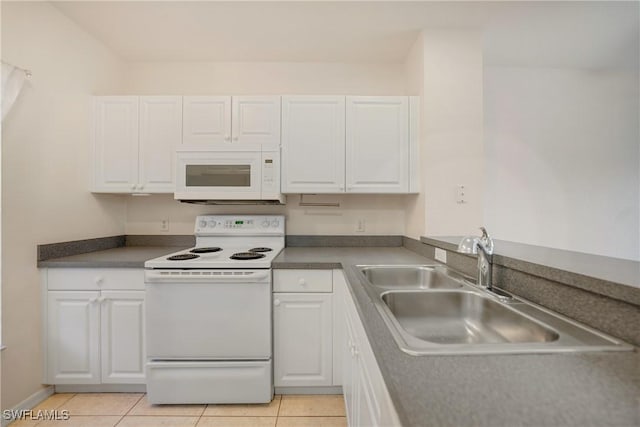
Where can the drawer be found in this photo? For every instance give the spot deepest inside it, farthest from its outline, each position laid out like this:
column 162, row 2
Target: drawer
column 74, row 279
column 302, row 281
column 198, row 382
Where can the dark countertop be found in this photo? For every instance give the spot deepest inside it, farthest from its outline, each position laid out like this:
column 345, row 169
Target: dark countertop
column 580, row 389
column 122, row 257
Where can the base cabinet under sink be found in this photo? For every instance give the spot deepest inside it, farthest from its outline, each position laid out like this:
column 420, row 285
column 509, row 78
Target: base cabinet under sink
column 366, row 396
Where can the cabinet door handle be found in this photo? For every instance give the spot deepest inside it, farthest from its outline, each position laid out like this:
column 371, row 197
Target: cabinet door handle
column 276, row 302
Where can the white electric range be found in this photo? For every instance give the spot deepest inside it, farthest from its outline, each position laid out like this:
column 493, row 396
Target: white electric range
column 208, row 313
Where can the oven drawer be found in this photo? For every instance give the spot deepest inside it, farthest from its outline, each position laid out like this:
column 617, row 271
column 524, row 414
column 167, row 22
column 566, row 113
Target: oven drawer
column 170, row 382
column 302, row 281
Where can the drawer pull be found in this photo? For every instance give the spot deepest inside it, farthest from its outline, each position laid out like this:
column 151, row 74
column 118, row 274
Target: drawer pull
column 302, row 282
column 276, row 302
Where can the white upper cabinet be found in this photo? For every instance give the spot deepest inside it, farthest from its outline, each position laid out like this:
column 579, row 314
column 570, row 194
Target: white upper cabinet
column 160, row 135
column 353, row 144
column 313, row 132
column 207, row 119
column 134, row 142
column 377, row 144
column 115, row 143
column 232, row 120
column 256, row 120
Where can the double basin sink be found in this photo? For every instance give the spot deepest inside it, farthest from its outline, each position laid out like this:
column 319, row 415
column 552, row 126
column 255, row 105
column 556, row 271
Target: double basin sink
column 431, row 309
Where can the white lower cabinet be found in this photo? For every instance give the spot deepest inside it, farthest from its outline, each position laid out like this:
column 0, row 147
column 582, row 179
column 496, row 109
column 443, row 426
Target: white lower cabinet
column 366, row 396
column 94, row 336
column 73, row 337
column 304, row 329
column 303, row 339
column 122, row 337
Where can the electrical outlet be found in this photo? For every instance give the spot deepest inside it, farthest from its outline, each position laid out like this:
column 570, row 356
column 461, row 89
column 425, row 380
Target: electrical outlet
column 361, row 225
column 441, row 255
column 164, row 225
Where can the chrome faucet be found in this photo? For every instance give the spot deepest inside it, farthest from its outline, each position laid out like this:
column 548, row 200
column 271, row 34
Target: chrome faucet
column 483, row 247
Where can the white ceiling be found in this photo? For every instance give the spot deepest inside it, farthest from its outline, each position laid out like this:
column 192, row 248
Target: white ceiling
column 545, row 33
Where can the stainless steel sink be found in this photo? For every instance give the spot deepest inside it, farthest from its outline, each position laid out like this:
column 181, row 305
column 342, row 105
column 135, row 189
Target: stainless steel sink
column 431, row 309
column 462, row 317
column 410, row 277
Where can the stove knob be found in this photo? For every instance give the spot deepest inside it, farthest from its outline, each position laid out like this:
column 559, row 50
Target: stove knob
column 203, row 224
column 275, row 223
column 265, row 223
column 212, row 224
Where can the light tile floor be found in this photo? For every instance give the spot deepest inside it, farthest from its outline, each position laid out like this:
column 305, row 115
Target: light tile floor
column 133, row 410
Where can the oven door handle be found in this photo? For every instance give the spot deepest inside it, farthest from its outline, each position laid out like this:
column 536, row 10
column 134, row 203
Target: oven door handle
column 181, row 276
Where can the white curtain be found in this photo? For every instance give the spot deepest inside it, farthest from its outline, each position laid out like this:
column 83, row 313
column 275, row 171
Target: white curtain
column 12, row 80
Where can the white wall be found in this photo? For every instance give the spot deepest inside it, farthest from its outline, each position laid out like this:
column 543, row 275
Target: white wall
column 382, row 214
column 562, row 154
column 453, row 130
column 241, row 78
column 45, row 171
column 414, row 75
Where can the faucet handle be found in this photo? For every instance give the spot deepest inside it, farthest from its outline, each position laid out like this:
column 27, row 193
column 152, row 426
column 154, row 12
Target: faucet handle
column 487, row 240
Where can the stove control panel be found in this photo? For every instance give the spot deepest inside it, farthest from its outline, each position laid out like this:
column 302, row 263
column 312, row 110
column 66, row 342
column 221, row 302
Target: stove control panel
column 239, row 225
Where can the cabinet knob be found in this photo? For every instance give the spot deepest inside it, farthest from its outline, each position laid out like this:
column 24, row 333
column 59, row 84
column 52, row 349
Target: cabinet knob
column 133, row 186
column 99, row 280
column 101, row 299
column 276, row 302
column 235, row 138
column 140, row 186
column 227, row 138
column 93, row 300
column 302, row 282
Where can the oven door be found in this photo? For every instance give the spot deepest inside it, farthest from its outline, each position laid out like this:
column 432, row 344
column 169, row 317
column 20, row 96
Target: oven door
column 218, row 175
column 208, row 314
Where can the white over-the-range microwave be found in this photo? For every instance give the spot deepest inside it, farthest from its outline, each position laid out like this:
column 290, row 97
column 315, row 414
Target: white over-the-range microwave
column 231, row 174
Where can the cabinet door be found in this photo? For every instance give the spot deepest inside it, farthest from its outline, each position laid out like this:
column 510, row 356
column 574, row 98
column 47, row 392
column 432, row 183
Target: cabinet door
column 377, row 144
column 115, row 143
column 313, row 137
column 256, row 120
column 122, row 333
column 366, row 407
column 160, row 135
column 302, row 340
column 73, row 337
column 349, row 372
column 206, row 119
